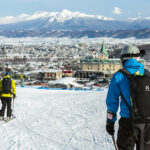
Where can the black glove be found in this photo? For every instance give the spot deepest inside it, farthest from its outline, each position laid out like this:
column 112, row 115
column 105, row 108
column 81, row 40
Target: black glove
column 111, row 117
column 110, row 128
column 14, row 96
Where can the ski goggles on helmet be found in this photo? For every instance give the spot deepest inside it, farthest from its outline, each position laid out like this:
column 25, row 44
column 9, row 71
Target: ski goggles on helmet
column 130, row 55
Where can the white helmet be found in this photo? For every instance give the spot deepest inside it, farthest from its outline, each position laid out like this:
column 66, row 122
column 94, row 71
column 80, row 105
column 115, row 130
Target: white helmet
column 130, row 52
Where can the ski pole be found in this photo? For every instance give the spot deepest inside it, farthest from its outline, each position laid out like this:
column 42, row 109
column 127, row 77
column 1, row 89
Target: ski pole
column 13, row 107
column 113, row 139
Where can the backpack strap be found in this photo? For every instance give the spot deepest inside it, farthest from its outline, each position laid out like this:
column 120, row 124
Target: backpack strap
column 130, row 109
column 147, row 73
column 127, row 73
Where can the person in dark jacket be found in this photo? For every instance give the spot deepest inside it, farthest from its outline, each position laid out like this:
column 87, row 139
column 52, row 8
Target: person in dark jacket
column 120, row 85
column 6, row 97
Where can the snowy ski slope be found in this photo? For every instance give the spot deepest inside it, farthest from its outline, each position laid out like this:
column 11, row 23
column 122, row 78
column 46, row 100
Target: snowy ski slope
column 57, row 120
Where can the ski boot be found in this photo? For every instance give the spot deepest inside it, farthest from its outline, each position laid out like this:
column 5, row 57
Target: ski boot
column 1, row 118
column 8, row 119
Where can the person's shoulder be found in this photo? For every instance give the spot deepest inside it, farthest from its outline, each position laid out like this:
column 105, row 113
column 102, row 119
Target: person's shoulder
column 118, row 76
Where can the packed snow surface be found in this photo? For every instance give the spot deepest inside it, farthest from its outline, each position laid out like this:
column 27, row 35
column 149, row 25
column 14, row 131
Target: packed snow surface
column 57, row 120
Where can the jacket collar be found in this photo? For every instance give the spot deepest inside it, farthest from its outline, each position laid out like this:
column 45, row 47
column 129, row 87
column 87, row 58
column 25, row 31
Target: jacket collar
column 7, row 76
column 132, row 65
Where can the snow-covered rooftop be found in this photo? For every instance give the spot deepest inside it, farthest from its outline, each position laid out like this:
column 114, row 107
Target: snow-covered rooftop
column 65, row 81
column 45, row 70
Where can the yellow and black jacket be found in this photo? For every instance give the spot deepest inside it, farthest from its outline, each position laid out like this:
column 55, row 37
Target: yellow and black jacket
column 21, row 76
column 13, row 88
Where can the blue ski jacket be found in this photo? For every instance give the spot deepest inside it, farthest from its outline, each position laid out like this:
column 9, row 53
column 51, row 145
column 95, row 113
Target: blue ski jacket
column 120, row 84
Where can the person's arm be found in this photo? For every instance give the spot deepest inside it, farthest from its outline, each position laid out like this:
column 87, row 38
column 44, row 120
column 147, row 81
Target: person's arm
column 1, row 86
column 13, row 88
column 112, row 102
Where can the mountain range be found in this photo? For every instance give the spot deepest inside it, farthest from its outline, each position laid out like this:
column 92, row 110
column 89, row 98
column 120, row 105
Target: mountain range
column 72, row 24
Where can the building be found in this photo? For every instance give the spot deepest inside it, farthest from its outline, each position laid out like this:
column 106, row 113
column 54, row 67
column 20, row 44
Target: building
column 101, row 65
column 67, row 73
column 52, row 74
column 107, row 65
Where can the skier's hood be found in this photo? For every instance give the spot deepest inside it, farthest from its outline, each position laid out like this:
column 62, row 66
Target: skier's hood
column 132, row 65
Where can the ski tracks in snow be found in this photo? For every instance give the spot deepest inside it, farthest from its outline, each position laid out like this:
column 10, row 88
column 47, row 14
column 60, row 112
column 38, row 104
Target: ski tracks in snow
column 57, row 120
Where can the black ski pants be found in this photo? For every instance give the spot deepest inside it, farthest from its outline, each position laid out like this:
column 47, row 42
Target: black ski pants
column 126, row 138
column 6, row 101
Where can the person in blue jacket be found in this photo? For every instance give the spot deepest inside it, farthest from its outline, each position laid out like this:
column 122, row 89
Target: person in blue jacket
column 130, row 59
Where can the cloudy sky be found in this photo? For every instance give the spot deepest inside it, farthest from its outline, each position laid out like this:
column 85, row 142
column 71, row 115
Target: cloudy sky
column 118, row 9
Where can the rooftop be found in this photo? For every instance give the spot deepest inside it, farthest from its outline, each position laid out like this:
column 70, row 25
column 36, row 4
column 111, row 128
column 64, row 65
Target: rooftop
column 103, row 50
column 110, row 61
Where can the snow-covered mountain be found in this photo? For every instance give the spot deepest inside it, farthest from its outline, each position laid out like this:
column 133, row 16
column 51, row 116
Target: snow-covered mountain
column 51, row 16
column 68, row 20
column 57, row 20
column 44, row 23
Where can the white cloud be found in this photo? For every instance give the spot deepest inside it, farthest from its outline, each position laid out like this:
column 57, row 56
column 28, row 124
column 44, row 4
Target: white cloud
column 25, row 17
column 117, row 10
column 139, row 18
column 11, row 19
column 133, row 19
